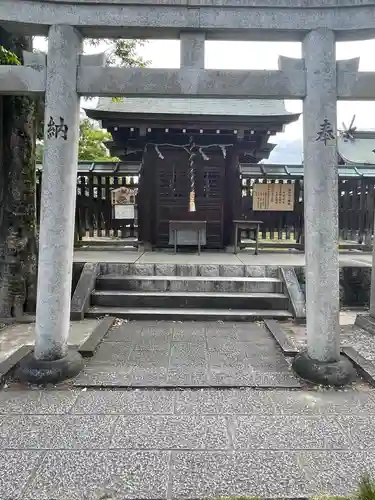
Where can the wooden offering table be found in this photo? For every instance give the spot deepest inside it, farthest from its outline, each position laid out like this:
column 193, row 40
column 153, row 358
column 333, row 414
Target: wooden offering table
column 241, row 225
column 187, row 232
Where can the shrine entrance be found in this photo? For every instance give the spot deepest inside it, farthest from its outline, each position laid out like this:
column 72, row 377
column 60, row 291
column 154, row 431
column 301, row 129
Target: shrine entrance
column 189, row 155
column 176, row 188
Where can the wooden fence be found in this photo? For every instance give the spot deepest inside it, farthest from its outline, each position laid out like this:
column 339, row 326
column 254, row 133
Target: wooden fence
column 94, row 217
column 94, row 212
column 277, row 226
column 356, row 211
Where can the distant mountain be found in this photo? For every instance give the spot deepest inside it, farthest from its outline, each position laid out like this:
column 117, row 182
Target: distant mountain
column 287, row 151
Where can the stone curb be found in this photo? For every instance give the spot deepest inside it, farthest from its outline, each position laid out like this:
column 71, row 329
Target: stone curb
column 364, row 367
column 294, row 292
column 81, row 298
column 287, row 348
column 366, row 322
column 89, row 346
column 14, row 359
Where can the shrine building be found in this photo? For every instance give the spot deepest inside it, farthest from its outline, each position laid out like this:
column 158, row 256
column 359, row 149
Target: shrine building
column 189, row 153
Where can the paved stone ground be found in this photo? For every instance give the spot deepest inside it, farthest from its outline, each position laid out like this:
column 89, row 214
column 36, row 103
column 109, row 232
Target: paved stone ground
column 15, row 336
column 82, row 445
column 285, row 258
column 195, row 354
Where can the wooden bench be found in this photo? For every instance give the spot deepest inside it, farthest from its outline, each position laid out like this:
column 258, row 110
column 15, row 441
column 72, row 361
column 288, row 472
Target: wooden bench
column 243, row 225
column 187, row 232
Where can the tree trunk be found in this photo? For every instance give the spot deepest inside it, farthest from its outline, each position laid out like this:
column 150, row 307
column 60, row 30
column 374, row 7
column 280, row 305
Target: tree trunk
column 18, row 247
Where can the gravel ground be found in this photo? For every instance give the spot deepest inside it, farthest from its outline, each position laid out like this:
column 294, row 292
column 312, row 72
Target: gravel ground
column 133, row 444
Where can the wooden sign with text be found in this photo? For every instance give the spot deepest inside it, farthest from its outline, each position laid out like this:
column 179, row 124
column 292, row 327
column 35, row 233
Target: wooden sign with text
column 123, row 202
column 273, row 197
column 123, row 196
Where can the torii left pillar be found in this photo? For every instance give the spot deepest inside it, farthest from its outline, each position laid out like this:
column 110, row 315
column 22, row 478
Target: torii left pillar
column 51, row 361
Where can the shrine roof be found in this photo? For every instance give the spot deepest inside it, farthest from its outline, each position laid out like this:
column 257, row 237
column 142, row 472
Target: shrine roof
column 359, row 149
column 198, row 107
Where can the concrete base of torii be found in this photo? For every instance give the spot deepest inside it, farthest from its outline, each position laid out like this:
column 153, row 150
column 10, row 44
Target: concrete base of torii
column 43, row 372
column 337, row 373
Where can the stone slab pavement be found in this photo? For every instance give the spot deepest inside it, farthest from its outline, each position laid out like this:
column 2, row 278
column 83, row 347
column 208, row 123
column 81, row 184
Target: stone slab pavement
column 355, row 259
column 65, row 444
column 13, row 337
column 189, row 354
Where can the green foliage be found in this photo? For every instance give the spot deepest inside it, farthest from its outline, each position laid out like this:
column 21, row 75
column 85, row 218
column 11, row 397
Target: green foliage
column 91, row 142
column 122, row 53
column 8, row 58
column 330, row 498
column 366, row 489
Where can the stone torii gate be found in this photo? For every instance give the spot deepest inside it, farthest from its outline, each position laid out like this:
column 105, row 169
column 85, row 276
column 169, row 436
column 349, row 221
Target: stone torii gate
column 65, row 74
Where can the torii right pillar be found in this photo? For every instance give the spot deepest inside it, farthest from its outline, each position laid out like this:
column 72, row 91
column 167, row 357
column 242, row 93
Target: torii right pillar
column 321, row 363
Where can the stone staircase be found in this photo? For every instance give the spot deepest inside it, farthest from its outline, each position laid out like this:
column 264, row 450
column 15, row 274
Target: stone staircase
column 189, row 292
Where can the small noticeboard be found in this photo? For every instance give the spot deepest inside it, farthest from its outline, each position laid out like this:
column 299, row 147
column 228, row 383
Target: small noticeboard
column 273, row 197
column 123, row 202
column 124, row 211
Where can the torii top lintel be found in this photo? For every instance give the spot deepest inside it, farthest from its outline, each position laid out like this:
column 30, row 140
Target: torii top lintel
column 219, row 19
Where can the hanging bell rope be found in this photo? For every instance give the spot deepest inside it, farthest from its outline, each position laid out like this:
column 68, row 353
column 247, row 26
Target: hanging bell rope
column 193, row 151
column 192, row 157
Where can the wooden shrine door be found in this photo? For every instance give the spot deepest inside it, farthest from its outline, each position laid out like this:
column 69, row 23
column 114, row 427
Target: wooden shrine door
column 172, row 189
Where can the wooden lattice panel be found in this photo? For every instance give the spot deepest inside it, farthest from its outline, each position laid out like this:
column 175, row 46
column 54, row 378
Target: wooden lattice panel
column 172, row 195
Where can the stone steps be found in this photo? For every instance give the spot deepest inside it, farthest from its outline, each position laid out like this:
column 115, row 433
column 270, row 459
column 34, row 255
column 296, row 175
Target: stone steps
column 188, row 292
column 223, row 284
column 189, row 270
column 200, row 300
column 187, row 314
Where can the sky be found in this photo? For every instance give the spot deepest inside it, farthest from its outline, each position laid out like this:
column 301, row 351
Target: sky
column 264, row 55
